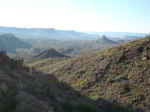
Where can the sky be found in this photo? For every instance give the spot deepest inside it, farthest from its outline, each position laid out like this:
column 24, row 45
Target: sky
column 79, row 15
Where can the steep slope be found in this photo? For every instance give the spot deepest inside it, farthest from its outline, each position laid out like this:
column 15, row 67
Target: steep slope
column 24, row 91
column 120, row 74
column 10, row 43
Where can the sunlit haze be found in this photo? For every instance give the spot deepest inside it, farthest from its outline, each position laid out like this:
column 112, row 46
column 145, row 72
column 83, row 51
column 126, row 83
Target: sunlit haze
column 80, row 15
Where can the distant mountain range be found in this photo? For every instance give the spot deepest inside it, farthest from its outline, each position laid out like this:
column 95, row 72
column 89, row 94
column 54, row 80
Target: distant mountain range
column 47, row 33
column 120, row 34
column 10, row 43
column 51, row 33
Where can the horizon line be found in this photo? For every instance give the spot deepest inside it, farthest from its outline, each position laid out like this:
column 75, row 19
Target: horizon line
column 18, row 27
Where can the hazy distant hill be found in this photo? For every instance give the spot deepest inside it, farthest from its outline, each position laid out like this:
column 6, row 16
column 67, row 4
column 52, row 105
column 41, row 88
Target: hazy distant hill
column 122, row 35
column 10, row 43
column 51, row 33
column 73, row 46
column 47, row 33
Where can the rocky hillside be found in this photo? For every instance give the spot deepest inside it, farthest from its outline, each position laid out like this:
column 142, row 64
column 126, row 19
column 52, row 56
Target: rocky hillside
column 10, row 43
column 24, row 90
column 120, row 74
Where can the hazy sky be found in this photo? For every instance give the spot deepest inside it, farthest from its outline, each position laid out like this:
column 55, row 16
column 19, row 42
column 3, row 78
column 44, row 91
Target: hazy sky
column 80, row 15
